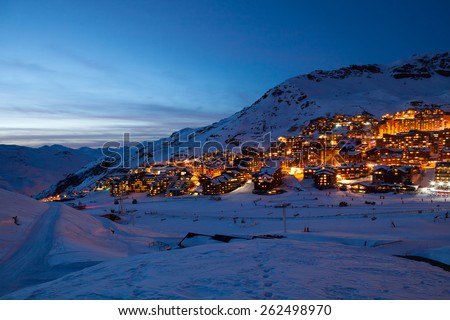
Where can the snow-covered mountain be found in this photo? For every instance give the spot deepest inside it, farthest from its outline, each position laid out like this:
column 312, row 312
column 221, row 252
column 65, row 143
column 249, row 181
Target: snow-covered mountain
column 377, row 89
column 291, row 105
column 31, row 170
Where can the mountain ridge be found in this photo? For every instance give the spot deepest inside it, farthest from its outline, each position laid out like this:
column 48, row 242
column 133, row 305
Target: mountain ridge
column 30, row 170
column 372, row 88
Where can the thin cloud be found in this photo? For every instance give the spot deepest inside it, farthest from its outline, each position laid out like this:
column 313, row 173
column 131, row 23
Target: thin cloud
column 84, row 60
column 114, row 110
column 18, row 65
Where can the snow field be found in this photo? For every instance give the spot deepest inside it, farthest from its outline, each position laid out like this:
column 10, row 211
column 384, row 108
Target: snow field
column 349, row 252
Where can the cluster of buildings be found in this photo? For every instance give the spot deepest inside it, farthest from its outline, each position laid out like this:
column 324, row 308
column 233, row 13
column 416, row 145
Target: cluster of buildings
column 338, row 151
column 431, row 118
column 168, row 180
column 230, row 179
column 411, row 137
column 381, row 178
column 389, row 153
column 177, row 180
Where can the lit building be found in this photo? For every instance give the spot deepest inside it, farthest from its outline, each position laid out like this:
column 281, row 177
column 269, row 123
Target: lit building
column 325, row 178
column 251, row 164
column 428, row 119
column 442, row 171
column 445, row 154
column 228, row 181
column 352, row 171
column 392, row 175
column 417, row 155
column 267, row 179
column 392, row 159
column 375, row 154
column 309, row 172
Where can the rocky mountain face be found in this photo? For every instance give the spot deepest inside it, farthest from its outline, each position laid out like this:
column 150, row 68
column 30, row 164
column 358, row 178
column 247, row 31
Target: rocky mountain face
column 424, row 67
column 288, row 107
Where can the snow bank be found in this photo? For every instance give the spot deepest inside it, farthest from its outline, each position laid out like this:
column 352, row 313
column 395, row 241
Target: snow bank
column 27, row 211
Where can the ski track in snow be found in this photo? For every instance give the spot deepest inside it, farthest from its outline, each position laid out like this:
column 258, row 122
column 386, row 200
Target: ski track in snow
column 27, row 265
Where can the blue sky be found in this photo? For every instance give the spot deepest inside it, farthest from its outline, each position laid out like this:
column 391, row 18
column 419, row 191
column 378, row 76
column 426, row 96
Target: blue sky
column 84, row 72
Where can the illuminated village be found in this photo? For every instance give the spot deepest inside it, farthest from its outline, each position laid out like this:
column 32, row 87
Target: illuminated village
column 375, row 189
column 263, row 159
column 360, row 153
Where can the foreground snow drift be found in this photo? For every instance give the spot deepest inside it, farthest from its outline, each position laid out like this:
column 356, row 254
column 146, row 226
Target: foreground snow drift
column 49, row 241
column 349, row 253
column 257, row 269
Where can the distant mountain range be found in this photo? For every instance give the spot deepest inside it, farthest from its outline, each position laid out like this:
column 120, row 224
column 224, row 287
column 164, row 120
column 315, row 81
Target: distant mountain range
column 288, row 107
column 31, row 170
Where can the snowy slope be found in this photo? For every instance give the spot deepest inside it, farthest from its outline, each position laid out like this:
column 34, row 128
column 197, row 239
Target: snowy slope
column 27, row 211
column 349, row 253
column 261, row 269
column 31, row 170
column 50, row 241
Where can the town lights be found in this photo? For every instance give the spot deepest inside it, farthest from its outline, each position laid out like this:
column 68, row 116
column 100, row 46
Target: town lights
column 432, row 183
column 295, row 170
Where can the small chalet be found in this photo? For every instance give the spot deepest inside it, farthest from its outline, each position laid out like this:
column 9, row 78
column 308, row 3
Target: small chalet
column 267, row 179
column 184, row 175
column 158, row 185
column 325, row 178
column 309, row 172
column 392, row 175
column 229, row 180
column 177, row 188
column 367, row 187
column 352, row 171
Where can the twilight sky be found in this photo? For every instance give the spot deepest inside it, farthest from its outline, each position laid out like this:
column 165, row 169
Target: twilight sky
column 84, row 72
